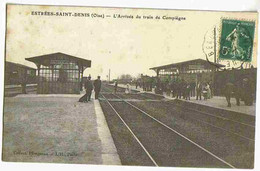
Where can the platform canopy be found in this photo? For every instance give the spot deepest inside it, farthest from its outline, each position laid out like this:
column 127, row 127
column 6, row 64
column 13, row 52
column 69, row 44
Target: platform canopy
column 59, row 73
column 191, row 65
column 47, row 60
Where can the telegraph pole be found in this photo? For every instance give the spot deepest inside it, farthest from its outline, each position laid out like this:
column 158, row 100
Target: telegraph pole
column 109, row 75
column 215, row 46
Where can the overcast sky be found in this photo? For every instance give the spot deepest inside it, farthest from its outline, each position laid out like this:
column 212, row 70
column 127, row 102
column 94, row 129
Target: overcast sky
column 126, row 46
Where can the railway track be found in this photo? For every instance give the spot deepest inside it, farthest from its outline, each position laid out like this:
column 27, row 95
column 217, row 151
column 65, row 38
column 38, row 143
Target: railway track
column 182, row 137
column 143, row 122
column 241, row 129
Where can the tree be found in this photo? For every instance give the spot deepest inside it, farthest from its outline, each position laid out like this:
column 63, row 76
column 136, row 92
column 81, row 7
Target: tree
column 126, row 77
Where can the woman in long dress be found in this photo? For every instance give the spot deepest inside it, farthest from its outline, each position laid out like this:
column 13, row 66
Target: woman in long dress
column 208, row 91
column 128, row 89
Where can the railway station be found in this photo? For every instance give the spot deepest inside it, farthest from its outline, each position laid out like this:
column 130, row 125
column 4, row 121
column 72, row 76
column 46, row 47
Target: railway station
column 59, row 73
column 128, row 125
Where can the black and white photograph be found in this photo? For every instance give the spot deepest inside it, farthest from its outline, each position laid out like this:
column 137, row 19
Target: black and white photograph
column 138, row 87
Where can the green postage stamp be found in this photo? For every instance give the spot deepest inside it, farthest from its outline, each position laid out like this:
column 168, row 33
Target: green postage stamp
column 236, row 41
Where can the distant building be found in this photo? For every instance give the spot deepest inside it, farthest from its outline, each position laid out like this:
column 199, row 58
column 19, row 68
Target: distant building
column 190, row 66
column 59, row 73
column 190, row 70
column 17, row 74
column 201, row 70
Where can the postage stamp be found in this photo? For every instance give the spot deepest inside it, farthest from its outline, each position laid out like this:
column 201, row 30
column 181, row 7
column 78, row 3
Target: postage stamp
column 236, row 41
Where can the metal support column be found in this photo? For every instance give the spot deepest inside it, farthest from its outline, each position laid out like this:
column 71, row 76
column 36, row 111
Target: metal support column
column 215, row 60
column 38, row 78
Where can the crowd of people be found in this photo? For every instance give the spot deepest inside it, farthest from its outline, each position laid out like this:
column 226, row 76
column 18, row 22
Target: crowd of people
column 241, row 90
column 180, row 88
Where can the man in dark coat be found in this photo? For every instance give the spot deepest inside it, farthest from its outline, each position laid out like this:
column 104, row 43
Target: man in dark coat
column 247, row 90
column 115, row 87
column 192, row 87
column 198, row 90
column 235, row 89
column 97, row 87
column 89, row 88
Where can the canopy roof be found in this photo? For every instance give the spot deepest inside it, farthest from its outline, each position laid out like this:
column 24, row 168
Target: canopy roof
column 45, row 59
column 206, row 64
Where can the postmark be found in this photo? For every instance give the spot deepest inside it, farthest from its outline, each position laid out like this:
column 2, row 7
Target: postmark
column 236, row 40
column 230, row 43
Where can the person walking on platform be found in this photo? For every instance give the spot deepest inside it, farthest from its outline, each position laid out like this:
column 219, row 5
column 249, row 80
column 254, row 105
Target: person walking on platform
column 97, row 87
column 115, row 87
column 198, row 90
column 89, row 88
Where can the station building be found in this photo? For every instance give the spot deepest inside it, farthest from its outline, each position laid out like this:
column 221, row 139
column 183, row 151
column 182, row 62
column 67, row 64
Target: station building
column 204, row 71
column 191, row 71
column 59, row 73
column 17, row 74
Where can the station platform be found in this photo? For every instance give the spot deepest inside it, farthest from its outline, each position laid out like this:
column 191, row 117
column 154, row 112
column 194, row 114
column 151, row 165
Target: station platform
column 221, row 103
column 216, row 102
column 56, row 129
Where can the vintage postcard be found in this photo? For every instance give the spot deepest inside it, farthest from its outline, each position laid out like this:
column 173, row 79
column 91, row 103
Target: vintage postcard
column 135, row 87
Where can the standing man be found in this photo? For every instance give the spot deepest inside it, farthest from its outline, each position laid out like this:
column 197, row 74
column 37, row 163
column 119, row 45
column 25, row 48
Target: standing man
column 198, row 90
column 247, row 90
column 229, row 88
column 97, row 87
column 89, row 88
column 193, row 86
column 187, row 91
column 115, row 87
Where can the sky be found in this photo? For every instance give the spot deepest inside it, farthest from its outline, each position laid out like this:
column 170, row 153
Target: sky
column 123, row 45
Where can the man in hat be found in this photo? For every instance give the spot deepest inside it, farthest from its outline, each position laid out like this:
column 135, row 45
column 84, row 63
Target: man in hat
column 198, row 90
column 97, row 87
column 89, row 88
